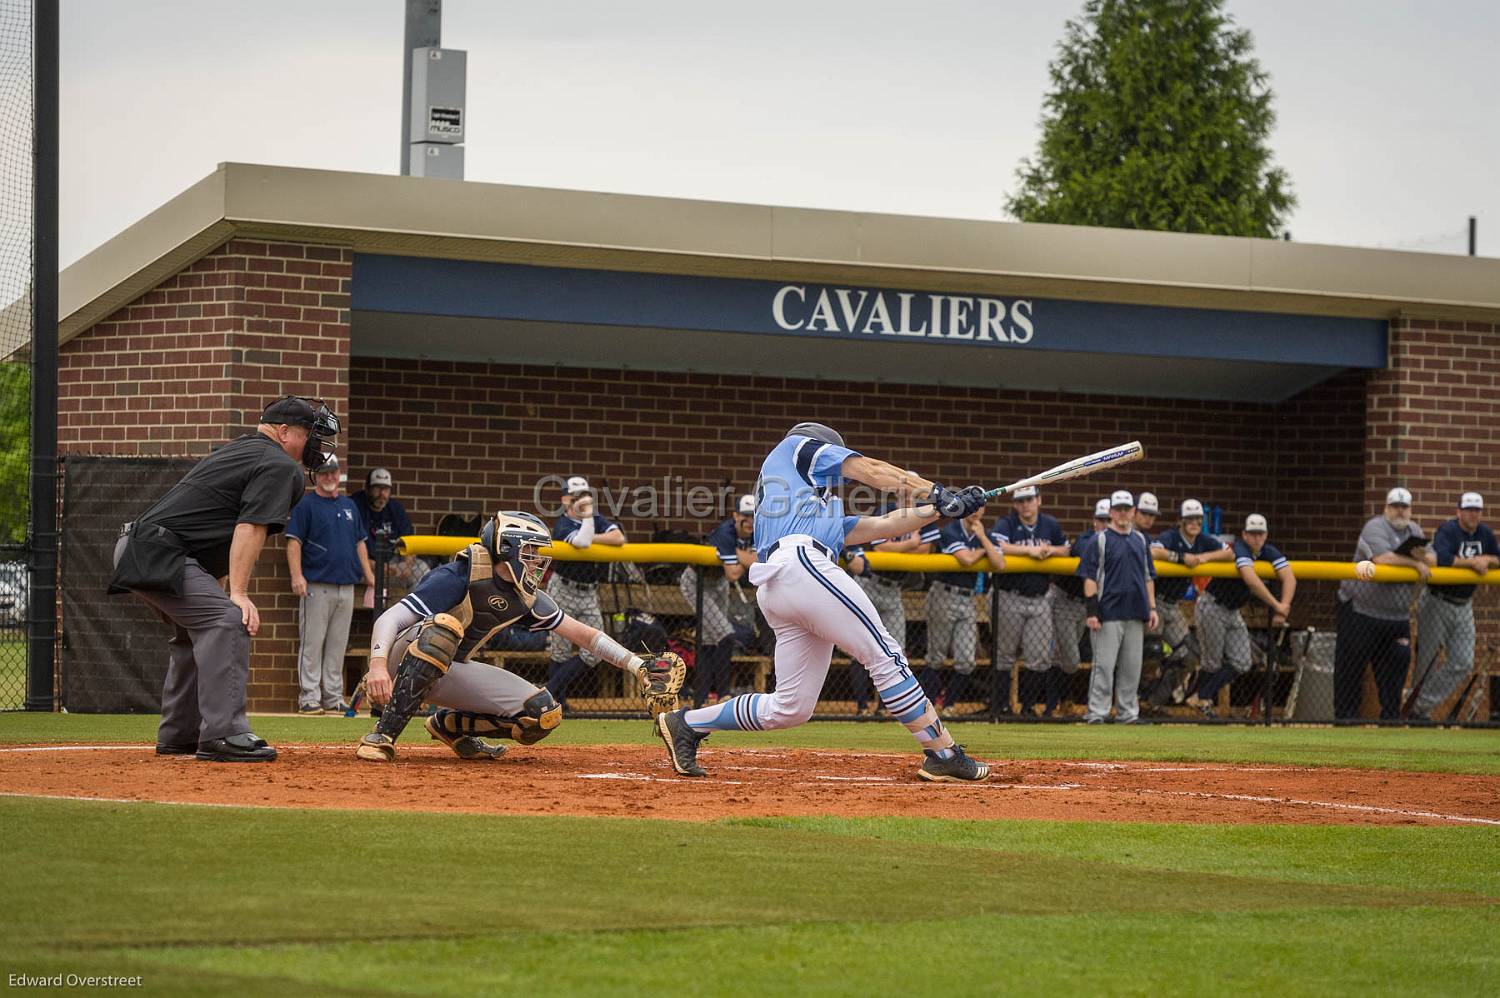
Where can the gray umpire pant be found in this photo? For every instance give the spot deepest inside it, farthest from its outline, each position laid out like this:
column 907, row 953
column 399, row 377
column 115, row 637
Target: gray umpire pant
column 208, row 659
column 1441, row 624
column 1117, row 669
column 580, row 603
column 952, row 627
column 716, row 623
column 1025, row 626
column 324, row 627
column 1068, row 624
column 1222, row 635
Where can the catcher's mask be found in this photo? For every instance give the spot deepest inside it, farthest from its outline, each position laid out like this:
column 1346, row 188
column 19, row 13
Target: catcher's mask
column 313, row 415
column 514, row 541
column 817, row 431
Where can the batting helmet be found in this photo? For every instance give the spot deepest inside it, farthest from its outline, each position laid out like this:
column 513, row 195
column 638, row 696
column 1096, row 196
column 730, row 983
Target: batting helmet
column 817, row 431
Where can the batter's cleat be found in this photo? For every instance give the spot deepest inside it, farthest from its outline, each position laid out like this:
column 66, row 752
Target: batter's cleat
column 463, row 746
column 376, row 747
column 957, row 768
column 682, row 743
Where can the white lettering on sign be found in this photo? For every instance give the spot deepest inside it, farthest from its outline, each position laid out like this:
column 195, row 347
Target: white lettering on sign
column 970, row 318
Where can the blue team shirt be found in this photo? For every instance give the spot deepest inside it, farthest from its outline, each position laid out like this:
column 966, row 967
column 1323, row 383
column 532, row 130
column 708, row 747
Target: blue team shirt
column 1127, row 567
column 1233, row 593
column 727, row 542
column 1011, row 530
column 1451, row 542
column 330, row 531
column 1072, row 584
column 391, row 521
column 795, row 494
column 951, row 538
column 445, row 587
column 584, row 573
column 1173, row 590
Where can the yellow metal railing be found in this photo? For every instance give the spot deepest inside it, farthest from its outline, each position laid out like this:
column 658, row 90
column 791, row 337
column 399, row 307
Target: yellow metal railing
column 703, row 554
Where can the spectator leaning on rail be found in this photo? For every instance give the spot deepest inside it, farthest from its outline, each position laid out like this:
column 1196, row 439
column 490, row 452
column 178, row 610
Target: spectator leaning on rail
column 1186, row 545
column 1221, row 627
column 212, row 523
column 952, row 617
column 575, row 584
column 1025, row 615
column 1069, row 611
column 1119, row 581
column 1374, row 618
column 733, row 541
column 326, row 555
column 1445, row 617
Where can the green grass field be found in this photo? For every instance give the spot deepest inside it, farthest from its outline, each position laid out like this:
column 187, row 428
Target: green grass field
column 210, row 900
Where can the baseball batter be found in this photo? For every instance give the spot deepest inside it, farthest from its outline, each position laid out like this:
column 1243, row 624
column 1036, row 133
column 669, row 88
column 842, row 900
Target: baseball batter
column 813, row 604
column 454, row 610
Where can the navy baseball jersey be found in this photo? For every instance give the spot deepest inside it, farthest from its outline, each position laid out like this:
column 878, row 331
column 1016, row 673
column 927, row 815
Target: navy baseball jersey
column 1172, row 590
column 1012, row 530
column 1233, row 593
column 795, row 494
column 482, row 602
column 727, row 542
column 1451, row 542
column 1072, row 585
column 1121, row 574
column 953, row 537
column 581, row 572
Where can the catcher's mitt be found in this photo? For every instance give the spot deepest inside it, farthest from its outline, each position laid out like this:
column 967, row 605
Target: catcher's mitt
column 661, row 678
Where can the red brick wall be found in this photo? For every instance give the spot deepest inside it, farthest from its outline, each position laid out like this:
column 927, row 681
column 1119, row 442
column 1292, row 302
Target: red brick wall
column 191, row 364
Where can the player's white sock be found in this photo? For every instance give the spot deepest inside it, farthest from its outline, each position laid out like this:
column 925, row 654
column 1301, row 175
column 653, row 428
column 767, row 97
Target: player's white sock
column 909, row 704
column 735, row 714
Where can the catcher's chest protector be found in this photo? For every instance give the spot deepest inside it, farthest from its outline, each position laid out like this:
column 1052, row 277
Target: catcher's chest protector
column 490, row 606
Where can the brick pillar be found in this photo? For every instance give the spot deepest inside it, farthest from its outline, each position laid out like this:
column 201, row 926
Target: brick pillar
column 191, row 363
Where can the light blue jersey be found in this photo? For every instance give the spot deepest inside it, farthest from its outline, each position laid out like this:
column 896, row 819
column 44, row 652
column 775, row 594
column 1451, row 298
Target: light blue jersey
column 795, row 494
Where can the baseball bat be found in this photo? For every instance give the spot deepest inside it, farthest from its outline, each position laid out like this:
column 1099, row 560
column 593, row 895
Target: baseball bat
column 1077, row 468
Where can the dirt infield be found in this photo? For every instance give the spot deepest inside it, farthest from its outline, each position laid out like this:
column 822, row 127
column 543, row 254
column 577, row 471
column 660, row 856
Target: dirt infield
column 635, row 781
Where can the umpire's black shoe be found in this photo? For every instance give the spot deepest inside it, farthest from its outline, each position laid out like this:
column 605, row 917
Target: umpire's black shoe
column 682, row 742
column 187, row 748
column 245, row 747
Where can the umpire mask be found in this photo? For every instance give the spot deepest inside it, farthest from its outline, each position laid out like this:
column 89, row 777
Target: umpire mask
column 312, row 415
column 515, row 541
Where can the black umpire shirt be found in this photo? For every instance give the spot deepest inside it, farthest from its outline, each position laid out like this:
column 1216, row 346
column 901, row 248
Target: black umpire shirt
column 248, row 480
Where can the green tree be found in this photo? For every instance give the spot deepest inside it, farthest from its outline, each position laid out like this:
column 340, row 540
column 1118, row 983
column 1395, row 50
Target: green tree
column 15, row 451
column 1157, row 119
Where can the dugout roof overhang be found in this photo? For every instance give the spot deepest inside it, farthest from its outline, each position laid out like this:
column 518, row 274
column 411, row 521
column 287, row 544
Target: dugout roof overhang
column 462, row 270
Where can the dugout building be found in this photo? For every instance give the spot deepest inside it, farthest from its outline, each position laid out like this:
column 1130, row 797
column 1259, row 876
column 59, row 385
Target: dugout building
column 477, row 337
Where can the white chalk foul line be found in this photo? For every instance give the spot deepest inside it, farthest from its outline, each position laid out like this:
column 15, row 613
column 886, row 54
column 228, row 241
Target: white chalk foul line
column 1334, row 805
column 82, row 748
column 647, row 778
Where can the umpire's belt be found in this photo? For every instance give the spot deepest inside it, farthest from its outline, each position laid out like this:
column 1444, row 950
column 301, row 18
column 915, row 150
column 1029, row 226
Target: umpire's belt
column 809, row 542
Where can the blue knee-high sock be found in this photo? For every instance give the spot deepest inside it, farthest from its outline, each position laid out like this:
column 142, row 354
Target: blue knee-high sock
column 740, row 713
column 908, row 704
column 1210, row 684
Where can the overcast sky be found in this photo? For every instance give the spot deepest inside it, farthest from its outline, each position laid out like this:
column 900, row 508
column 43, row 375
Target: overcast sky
column 1387, row 111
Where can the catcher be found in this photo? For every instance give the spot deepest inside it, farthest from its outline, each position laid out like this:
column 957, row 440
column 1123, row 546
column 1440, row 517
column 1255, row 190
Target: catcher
column 455, row 609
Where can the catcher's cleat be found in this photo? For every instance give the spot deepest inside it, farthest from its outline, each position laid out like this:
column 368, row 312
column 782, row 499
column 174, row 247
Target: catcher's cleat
column 661, row 681
column 958, row 768
column 376, row 747
column 682, row 743
column 463, row 746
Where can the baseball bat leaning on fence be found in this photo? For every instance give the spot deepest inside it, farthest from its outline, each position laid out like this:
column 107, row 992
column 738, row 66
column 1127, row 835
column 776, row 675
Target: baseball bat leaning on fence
column 1077, row 468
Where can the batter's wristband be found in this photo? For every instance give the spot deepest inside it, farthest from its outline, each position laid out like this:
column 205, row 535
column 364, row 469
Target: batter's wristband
column 1091, row 605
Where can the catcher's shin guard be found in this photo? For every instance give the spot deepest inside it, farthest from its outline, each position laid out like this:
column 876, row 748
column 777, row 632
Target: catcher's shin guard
column 427, row 659
column 460, row 730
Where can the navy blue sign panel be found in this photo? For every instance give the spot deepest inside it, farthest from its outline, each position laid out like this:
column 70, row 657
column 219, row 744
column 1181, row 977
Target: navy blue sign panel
column 421, row 286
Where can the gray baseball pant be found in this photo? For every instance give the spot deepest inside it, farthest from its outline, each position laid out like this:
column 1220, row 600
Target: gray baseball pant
column 1446, row 625
column 1116, row 670
column 323, row 623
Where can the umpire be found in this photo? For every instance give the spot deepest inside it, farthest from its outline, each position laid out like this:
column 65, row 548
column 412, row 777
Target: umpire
column 214, row 523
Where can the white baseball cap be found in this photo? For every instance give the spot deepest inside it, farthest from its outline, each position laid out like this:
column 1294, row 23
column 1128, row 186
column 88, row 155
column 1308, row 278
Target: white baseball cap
column 1148, row 503
column 1398, row 497
column 576, row 484
column 1024, row 492
column 1122, row 497
column 1191, row 507
column 379, row 476
column 1255, row 524
column 1101, row 509
column 747, row 504
column 1471, row 500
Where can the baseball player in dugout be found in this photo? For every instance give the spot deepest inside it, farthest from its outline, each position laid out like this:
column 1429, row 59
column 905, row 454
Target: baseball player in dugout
column 1222, row 632
column 1070, row 613
column 733, row 541
column 211, row 524
column 813, row 604
column 952, row 612
column 432, row 632
column 884, row 590
column 1185, row 544
column 1119, row 589
column 575, row 584
column 1445, row 617
column 1025, row 614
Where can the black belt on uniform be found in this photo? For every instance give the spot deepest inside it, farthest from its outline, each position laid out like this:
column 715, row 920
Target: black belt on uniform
column 957, row 589
column 1446, row 598
column 810, row 542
